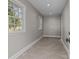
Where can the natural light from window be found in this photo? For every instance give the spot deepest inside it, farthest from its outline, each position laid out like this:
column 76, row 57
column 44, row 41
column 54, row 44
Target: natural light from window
column 15, row 16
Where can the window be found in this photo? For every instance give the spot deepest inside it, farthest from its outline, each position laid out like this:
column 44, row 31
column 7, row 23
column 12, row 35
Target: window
column 15, row 16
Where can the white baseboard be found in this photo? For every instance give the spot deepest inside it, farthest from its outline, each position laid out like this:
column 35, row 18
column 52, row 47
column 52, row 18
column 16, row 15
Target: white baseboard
column 15, row 56
column 67, row 50
column 51, row 36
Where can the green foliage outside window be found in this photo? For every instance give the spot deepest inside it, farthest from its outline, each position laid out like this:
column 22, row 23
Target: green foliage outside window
column 15, row 22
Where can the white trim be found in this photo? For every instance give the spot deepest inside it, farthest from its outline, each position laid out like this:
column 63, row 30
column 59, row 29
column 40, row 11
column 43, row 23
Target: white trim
column 15, row 56
column 67, row 50
column 51, row 36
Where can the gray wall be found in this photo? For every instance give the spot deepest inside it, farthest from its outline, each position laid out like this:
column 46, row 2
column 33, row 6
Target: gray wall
column 51, row 26
column 65, row 24
column 19, row 40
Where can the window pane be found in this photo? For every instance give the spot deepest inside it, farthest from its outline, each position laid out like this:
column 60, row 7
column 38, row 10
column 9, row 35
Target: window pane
column 15, row 7
column 11, row 27
column 10, row 11
column 20, row 15
column 16, row 10
column 16, row 13
column 11, row 20
column 10, row 8
column 18, row 21
column 18, row 24
column 17, row 27
column 20, row 10
column 10, row 3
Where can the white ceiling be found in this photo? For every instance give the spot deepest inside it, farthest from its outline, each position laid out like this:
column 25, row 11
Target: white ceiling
column 49, row 7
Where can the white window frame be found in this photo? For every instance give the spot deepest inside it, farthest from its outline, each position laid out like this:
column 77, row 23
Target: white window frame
column 24, row 15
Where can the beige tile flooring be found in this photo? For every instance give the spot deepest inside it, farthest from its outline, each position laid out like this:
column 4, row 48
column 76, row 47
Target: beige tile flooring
column 46, row 48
